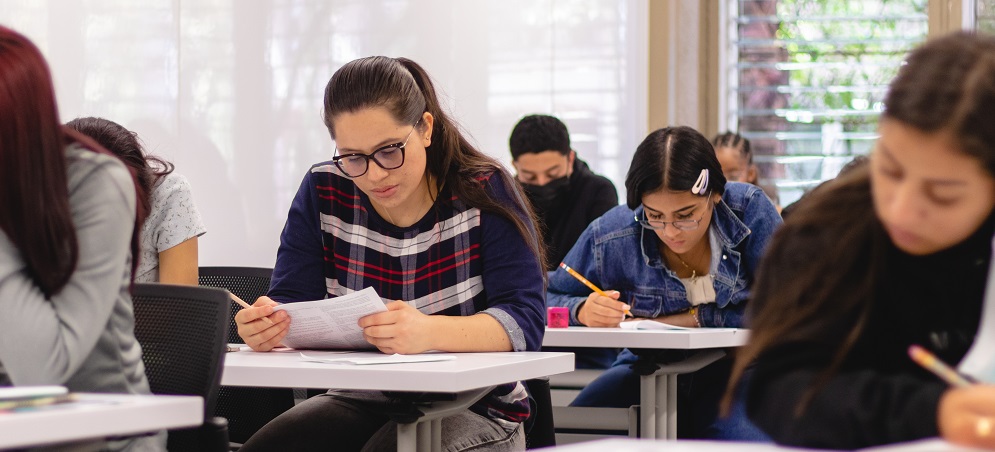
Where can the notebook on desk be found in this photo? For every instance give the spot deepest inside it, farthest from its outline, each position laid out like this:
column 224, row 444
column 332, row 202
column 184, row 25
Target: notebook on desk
column 646, row 324
column 31, row 396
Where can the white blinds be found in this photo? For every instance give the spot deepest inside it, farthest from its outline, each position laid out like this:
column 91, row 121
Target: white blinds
column 808, row 78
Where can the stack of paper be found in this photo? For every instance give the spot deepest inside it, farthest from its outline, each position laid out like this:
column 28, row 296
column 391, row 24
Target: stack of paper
column 649, row 325
column 29, row 396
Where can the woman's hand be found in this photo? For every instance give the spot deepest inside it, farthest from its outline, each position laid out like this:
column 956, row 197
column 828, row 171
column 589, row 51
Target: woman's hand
column 260, row 327
column 601, row 311
column 967, row 416
column 402, row 329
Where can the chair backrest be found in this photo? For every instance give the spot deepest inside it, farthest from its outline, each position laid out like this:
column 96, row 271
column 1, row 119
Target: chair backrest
column 246, row 409
column 248, row 283
column 182, row 331
column 539, row 429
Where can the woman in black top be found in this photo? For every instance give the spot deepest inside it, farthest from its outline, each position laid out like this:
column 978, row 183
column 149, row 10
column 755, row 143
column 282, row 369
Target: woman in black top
column 892, row 254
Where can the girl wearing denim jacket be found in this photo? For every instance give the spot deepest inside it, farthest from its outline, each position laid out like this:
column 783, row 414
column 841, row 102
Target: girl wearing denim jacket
column 682, row 251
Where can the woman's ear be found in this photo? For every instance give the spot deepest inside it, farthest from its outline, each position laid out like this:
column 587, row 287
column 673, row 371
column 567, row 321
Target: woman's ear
column 428, row 124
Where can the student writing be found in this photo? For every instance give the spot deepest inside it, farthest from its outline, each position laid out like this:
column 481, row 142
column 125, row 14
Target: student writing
column 683, row 250
column 891, row 254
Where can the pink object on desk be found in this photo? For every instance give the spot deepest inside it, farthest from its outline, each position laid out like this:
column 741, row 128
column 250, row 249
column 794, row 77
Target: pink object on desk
column 557, row 317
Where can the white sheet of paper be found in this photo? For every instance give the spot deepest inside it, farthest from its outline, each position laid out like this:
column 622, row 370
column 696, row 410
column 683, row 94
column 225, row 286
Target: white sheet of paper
column 385, row 359
column 649, row 325
column 980, row 359
column 332, row 323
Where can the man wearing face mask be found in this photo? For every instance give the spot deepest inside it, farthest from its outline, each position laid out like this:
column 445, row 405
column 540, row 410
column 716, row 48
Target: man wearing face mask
column 567, row 196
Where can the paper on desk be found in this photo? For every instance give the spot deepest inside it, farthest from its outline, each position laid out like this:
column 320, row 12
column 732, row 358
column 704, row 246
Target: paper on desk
column 331, row 323
column 385, row 359
column 980, row 359
column 649, row 325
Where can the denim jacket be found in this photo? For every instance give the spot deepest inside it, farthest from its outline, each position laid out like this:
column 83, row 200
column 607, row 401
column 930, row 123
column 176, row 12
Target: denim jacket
column 616, row 253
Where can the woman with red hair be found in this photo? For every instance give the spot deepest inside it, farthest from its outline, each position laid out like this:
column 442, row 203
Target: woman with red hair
column 67, row 241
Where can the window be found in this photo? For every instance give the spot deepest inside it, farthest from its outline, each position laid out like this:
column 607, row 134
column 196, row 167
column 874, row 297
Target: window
column 984, row 15
column 809, row 78
column 231, row 91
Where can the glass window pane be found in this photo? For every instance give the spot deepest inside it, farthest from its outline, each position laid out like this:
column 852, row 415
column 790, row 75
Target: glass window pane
column 810, row 77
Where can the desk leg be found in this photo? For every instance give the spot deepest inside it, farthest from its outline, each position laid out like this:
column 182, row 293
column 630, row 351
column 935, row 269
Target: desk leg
column 664, row 397
column 658, row 395
column 671, row 386
column 407, row 437
column 425, row 434
column 647, row 408
column 437, row 434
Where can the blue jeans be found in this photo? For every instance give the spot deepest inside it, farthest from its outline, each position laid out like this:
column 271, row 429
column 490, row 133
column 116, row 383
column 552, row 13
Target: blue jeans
column 335, row 421
column 698, row 396
column 588, row 358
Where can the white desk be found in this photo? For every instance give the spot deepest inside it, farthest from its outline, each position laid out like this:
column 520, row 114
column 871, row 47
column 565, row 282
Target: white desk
column 96, row 416
column 689, row 339
column 658, row 391
column 471, row 375
column 647, row 445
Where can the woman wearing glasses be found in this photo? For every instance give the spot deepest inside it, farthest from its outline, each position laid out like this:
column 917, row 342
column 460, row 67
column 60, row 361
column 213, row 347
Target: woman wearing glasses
column 682, row 251
column 409, row 207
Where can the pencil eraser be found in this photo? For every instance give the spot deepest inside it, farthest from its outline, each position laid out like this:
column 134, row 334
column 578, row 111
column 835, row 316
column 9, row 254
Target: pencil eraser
column 557, row 317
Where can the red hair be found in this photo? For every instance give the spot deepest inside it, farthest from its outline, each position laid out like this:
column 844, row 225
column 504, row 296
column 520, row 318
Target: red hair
column 34, row 193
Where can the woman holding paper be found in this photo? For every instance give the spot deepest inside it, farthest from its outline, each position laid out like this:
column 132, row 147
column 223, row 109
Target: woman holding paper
column 68, row 235
column 408, row 207
column 893, row 254
column 682, row 251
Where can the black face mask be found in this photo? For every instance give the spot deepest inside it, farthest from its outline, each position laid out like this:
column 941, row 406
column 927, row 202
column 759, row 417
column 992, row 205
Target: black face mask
column 550, row 198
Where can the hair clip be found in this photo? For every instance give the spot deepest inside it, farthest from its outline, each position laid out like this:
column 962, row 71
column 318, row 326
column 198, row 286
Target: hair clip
column 701, row 185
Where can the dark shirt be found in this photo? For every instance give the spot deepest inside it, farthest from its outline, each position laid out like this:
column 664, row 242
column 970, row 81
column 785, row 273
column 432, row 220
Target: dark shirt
column 879, row 395
column 591, row 196
column 457, row 261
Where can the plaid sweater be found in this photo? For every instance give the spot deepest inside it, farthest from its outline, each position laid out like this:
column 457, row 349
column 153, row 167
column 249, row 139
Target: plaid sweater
column 455, row 261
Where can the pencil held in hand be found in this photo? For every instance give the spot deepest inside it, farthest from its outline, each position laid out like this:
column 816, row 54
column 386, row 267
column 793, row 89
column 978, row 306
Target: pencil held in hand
column 933, row 364
column 243, row 304
column 587, row 283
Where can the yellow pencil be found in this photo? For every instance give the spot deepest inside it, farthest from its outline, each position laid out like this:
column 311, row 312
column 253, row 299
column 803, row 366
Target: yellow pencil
column 933, row 364
column 587, row 283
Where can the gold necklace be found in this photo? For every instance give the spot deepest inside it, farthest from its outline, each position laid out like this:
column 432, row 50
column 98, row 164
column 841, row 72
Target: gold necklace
column 694, row 273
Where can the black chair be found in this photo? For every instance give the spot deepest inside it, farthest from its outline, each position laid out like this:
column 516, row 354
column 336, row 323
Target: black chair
column 247, row 409
column 182, row 330
column 539, row 430
column 248, row 283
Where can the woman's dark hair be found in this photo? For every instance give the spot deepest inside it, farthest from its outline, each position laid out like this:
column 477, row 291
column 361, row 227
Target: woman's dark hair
column 739, row 143
column 403, row 88
column 948, row 84
column 34, row 195
column 735, row 141
column 125, row 144
column 672, row 158
column 539, row 133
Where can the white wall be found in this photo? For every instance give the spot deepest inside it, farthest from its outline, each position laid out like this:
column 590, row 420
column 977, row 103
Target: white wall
column 231, row 91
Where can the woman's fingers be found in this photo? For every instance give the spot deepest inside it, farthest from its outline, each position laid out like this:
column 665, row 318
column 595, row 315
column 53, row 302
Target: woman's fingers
column 602, row 311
